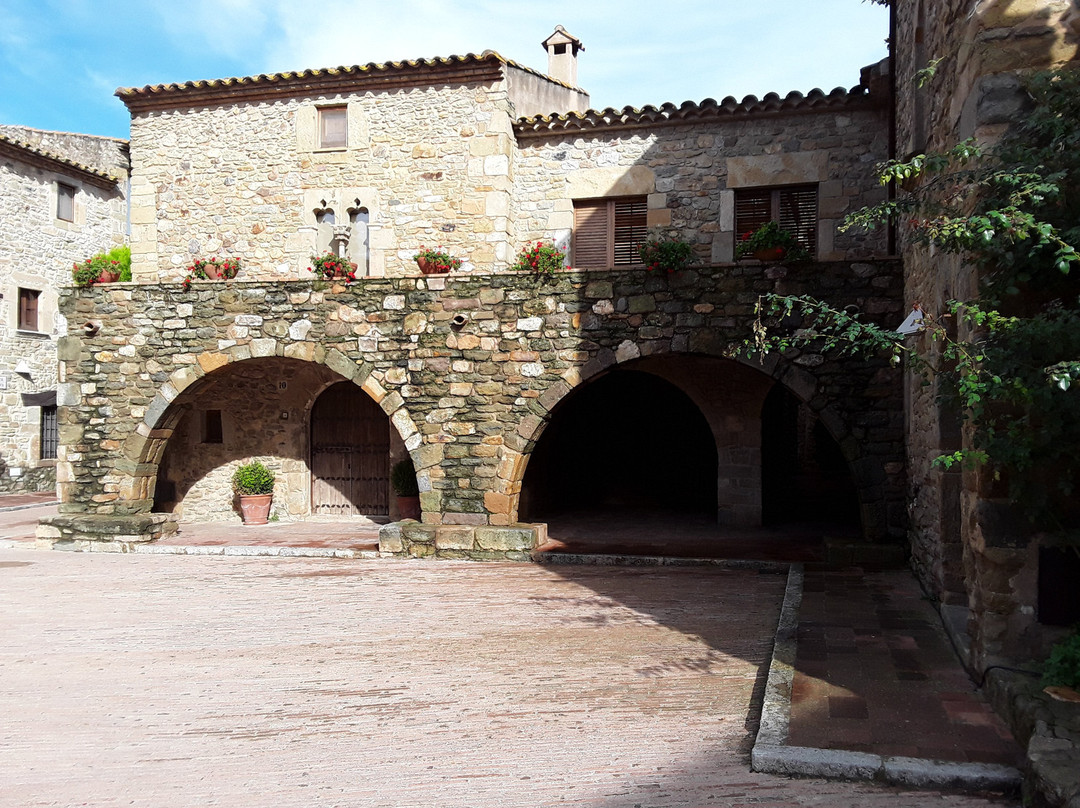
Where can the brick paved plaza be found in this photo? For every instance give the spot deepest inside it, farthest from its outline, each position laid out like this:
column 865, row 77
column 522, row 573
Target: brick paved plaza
column 189, row 681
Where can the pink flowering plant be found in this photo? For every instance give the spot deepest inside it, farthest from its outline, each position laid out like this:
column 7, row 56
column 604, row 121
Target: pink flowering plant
column 330, row 266
column 438, row 258
column 540, row 259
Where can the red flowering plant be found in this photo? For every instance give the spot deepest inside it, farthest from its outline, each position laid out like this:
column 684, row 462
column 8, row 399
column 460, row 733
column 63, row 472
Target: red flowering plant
column 330, row 266
column 661, row 254
column 436, row 260
column 540, row 259
column 211, row 269
column 771, row 242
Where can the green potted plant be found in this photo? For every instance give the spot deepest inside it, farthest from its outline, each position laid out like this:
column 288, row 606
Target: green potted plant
column 436, row 261
column 254, row 484
column 662, row 254
column 103, row 268
column 1061, row 672
column 770, row 242
column 330, row 266
column 540, row 259
column 403, row 479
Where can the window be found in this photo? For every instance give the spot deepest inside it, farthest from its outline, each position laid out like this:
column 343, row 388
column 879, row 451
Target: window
column 793, row 207
column 28, row 309
column 65, row 202
column 608, row 232
column 333, row 128
column 48, row 432
column 212, row 426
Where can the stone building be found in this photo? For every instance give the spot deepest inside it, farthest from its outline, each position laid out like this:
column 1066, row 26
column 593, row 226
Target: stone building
column 982, row 565
column 469, row 374
column 62, row 198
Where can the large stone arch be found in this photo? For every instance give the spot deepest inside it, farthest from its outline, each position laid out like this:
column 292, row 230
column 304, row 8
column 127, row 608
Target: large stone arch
column 802, row 383
column 142, row 452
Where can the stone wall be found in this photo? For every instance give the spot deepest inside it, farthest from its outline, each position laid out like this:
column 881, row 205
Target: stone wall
column 37, row 251
column 689, row 172
column 430, row 165
column 469, row 398
column 963, row 551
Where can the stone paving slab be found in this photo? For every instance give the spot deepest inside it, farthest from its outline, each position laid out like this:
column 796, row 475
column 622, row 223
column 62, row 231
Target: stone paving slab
column 154, row 680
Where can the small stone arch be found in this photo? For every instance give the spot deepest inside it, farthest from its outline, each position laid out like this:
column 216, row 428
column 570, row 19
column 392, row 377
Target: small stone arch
column 142, row 452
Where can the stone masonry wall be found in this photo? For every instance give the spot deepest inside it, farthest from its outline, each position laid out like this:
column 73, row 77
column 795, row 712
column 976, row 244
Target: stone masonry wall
column 689, row 173
column 431, row 165
column 36, row 252
column 468, row 400
column 975, row 91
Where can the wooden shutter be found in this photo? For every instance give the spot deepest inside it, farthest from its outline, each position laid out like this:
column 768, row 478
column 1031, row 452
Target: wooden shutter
column 590, row 248
column 630, row 230
column 798, row 215
column 608, row 232
column 333, row 128
column 753, row 208
column 65, row 202
column 28, row 309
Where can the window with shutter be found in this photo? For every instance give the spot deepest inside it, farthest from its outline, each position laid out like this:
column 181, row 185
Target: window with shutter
column 28, row 309
column 333, row 128
column 65, row 202
column 48, row 433
column 608, row 232
column 793, row 207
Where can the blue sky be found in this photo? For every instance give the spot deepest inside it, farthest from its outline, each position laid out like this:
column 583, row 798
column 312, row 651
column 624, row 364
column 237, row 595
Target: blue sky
column 61, row 60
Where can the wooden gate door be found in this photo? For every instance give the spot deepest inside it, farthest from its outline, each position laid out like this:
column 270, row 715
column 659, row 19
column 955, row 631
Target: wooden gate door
column 350, row 454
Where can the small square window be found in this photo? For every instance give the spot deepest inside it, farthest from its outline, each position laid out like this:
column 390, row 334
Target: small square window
column 28, row 309
column 333, row 128
column 65, row 202
column 212, row 432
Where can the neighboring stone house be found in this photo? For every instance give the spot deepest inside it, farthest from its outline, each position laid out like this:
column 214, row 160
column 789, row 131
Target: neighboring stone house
column 980, row 563
column 62, row 198
column 330, row 384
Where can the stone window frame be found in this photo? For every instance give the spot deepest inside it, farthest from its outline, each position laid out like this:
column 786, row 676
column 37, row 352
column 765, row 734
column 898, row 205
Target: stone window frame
column 322, row 114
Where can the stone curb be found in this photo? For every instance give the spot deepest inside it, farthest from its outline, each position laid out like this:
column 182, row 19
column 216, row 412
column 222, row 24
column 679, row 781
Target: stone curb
column 598, row 560
column 203, row 550
column 7, row 508
column 771, row 755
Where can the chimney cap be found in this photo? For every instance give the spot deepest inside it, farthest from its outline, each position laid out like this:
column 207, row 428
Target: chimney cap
column 563, row 37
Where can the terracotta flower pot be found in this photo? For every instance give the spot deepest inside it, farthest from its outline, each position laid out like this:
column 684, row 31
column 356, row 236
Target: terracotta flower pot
column 213, row 272
column 108, row 277
column 429, row 267
column 255, row 508
column 769, row 253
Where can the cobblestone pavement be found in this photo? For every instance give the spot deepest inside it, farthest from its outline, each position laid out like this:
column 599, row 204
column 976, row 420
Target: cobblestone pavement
column 192, row 681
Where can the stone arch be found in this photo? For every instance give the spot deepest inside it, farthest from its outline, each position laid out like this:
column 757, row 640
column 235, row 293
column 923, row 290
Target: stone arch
column 143, row 451
column 802, row 383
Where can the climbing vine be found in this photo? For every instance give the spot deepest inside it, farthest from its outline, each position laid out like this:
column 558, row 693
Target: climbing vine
column 1009, row 358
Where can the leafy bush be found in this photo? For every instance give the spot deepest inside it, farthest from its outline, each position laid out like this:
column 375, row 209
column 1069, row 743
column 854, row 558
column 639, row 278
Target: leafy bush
column 253, row 478
column 540, row 259
column 403, row 478
column 661, row 254
column 121, row 257
column 1063, row 666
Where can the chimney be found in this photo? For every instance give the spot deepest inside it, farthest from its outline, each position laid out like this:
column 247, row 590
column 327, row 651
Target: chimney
column 562, row 49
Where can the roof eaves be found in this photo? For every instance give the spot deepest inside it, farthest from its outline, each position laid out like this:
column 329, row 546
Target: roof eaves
column 55, row 162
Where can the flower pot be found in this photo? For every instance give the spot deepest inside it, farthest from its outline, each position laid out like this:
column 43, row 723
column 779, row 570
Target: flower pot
column 255, row 508
column 769, row 253
column 429, row 267
column 213, row 272
column 108, row 276
column 408, row 507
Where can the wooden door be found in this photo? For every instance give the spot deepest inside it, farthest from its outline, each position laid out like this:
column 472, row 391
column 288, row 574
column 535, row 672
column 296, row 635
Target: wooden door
column 350, row 454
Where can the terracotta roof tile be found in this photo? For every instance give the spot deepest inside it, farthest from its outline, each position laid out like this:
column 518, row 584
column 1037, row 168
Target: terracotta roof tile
column 411, row 71
column 691, row 112
column 53, row 161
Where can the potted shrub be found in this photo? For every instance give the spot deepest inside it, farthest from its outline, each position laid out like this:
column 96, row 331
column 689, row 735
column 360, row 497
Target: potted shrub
column 103, row 268
column 770, row 243
column 211, row 269
column 540, row 259
column 331, row 266
column 403, row 479
column 436, row 262
column 254, row 484
column 661, row 254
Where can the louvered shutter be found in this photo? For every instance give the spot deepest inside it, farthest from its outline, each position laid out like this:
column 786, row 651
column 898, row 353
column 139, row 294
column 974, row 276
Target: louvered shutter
column 590, row 249
column 630, row 230
column 798, row 215
column 753, row 208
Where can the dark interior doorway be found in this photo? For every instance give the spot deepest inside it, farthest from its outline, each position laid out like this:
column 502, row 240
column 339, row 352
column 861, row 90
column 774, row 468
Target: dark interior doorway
column 804, row 476
column 627, row 442
column 350, row 454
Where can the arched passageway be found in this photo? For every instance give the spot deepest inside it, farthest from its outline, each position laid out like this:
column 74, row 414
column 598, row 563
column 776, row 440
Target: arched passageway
column 629, row 441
